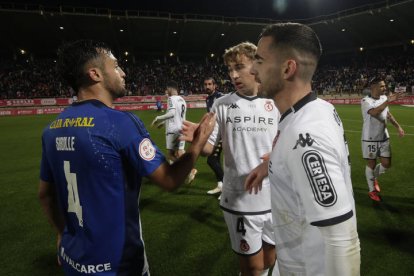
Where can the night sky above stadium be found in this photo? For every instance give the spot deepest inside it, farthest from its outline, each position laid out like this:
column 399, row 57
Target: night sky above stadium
column 275, row 9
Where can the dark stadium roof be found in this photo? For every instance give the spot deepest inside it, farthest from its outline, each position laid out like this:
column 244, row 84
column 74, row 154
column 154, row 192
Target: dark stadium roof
column 185, row 31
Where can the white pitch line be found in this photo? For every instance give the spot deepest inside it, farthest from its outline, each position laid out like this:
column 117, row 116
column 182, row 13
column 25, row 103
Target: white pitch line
column 359, row 131
column 351, row 120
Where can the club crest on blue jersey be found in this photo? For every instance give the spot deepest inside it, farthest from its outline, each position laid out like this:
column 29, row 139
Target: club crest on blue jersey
column 146, row 149
column 308, row 141
column 319, row 179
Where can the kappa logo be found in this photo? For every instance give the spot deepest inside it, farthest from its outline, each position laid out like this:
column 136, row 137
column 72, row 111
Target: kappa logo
column 233, row 106
column 304, row 141
column 319, row 179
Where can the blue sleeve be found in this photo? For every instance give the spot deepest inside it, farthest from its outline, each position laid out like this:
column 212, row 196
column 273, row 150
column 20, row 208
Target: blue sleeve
column 138, row 148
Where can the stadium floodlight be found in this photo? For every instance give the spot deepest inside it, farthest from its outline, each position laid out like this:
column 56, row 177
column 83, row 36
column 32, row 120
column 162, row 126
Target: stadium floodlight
column 22, row 51
column 391, row 20
column 343, row 30
column 361, row 49
column 174, row 32
column 61, row 27
column 171, row 54
column 121, row 30
column 412, row 41
column 126, row 53
column 211, row 55
column 222, row 34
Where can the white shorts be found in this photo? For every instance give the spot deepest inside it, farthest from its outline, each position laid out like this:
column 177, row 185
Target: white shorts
column 373, row 150
column 247, row 232
column 173, row 143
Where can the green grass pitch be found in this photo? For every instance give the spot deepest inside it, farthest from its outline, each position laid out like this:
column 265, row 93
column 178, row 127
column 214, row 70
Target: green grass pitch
column 184, row 231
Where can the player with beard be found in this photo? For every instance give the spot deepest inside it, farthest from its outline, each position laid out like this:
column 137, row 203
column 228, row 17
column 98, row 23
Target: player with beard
column 375, row 137
column 246, row 125
column 213, row 160
column 93, row 161
column 311, row 191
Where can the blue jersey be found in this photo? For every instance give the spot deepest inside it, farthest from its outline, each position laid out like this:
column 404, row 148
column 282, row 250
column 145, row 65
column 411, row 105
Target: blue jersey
column 211, row 98
column 96, row 157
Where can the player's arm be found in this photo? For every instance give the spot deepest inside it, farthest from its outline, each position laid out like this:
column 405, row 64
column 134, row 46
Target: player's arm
column 159, row 120
column 48, row 200
column 377, row 110
column 342, row 249
column 394, row 122
column 170, row 177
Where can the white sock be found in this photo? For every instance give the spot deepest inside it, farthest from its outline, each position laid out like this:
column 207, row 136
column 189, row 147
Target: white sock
column 369, row 174
column 220, row 185
column 379, row 169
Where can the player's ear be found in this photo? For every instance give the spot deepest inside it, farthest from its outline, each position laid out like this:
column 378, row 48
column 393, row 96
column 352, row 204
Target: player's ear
column 289, row 68
column 95, row 74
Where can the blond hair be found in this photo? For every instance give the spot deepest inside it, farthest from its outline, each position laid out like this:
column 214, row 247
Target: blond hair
column 233, row 54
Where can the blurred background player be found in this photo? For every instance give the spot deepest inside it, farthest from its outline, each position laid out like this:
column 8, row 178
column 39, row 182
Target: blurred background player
column 213, row 160
column 173, row 120
column 375, row 137
column 158, row 104
column 246, row 124
column 93, row 161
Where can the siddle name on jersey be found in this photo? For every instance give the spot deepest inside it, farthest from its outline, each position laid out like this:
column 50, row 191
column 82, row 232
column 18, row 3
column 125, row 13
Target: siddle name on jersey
column 65, row 143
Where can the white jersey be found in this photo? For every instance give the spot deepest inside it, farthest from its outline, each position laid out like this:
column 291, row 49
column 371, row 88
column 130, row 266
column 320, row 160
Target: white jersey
column 311, row 184
column 247, row 127
column 178, row 106
column 374, row 129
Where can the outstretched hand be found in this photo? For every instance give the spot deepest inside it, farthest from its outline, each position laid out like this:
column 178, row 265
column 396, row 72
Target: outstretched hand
column 187, row 131
column 395, row 96
column 157, row 122
column 255, row 178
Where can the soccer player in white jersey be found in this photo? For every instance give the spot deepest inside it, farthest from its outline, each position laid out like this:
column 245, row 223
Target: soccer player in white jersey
column 375, row 137
column 246, row 124
column 173, row 120
column 311, row 191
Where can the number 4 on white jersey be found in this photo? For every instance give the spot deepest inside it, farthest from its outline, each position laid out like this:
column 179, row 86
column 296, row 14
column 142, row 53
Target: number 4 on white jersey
column 73, row 195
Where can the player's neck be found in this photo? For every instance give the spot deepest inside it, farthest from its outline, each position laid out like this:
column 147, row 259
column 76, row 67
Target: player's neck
column 85, row 94
column 288, row 97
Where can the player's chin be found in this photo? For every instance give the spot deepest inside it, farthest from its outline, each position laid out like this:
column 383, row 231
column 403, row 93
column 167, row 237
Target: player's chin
column 119, row 93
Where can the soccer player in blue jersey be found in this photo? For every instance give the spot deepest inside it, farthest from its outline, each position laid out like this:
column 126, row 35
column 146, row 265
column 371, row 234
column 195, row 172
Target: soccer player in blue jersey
column 93, row 160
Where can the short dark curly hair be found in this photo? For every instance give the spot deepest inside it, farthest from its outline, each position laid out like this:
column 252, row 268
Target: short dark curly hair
column 72, row 58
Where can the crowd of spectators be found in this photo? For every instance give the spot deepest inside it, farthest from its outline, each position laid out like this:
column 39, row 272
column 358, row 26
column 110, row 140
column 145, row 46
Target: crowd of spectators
column 338, row 75
column 349, row 74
